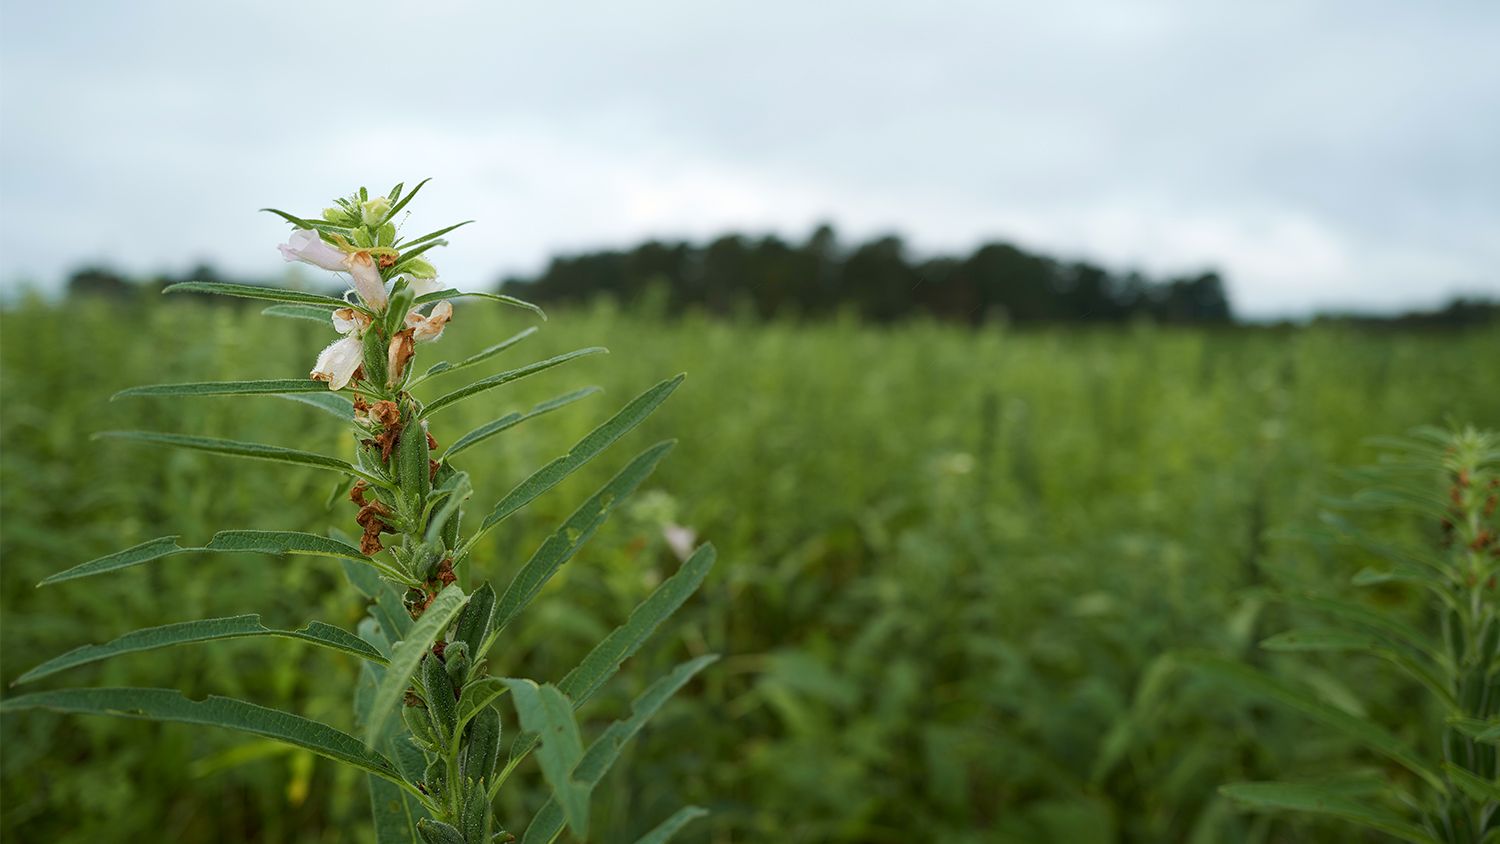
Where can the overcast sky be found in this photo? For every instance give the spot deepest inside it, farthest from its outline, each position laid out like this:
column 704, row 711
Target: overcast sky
column 1319, row 154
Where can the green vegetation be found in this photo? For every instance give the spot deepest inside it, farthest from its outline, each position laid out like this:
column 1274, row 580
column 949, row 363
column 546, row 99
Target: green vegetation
column 957, row 571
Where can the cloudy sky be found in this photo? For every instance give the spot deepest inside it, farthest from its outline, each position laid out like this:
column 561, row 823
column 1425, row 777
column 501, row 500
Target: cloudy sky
column 1319, row 153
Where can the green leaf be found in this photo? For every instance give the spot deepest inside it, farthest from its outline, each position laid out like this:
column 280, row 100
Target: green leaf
column 250, row 291
column 664, row 831
column 327, row 401
column 235, row 448
column 510, row 420
column 476, row 696
column 583, row 451
column 406, row 244
column 1325, row 801
column 313, row 313
column 1476, row 729
column 451, row 293
column 170, row 705
column 153, row 549
column 562, row 545
column 605, row 750
column 203, row 630
column 480, row 357
column 1371, row 735
column 227, row 388
column 1345, row 641
column 605, row 659
column 396, row 209
column 1397, row 631
column 503, row 378
column 407, row 655
column 547, row 712
column 1477, row 787
column 320, row 226
column 394, row 812
column 227, row 541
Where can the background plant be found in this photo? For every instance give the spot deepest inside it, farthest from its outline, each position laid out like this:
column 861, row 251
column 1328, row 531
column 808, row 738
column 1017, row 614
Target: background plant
column 435, row 770
column 1012, row 525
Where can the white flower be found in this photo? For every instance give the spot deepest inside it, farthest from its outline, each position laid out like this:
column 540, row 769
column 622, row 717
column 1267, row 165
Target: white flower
column 337, row 363
column 430, row 327
column 366, row 277
column 680, row 539
column 305, row 245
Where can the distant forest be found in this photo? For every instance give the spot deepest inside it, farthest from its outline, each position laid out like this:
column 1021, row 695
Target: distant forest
column 878, row 280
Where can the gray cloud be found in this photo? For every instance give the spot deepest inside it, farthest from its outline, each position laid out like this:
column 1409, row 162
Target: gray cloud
column 1319, row 153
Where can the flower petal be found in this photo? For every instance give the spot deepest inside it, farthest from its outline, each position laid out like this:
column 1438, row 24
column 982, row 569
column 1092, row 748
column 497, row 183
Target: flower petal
column 348, row 320
column 430, row 327
column 337, row 363
column 423, row 286
column 305, row 245
column 366, row 275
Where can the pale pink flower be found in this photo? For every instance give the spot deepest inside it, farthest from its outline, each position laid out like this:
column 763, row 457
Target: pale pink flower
column 337, row 363
column 308, row 247
column 366, row 277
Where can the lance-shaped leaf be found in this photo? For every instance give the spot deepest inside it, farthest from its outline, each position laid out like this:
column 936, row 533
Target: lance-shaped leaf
column 227, row 388
column 235, row 448
column 1395, row 630
column 562, row 545
column 171, row 705
column 202, row 630
column 477, row 357
column 504, row 378
column 1476, row 729
column 407, row 655
column 396, row 209
column 547, row 713
column 605, row 659
column 250, row 291
column 223, row 542
column 311, row 313
column 1371, row 735
column 1479, row 788
column 510, row 420
column 417, row 241
column 663, row 832
column 603, row 752
column 1343, row 640
column 493, row 297
column 585, row 450
column 1325, row 801
column 327, row 400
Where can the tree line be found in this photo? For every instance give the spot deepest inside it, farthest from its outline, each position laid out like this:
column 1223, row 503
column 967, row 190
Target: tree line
column 879, row 280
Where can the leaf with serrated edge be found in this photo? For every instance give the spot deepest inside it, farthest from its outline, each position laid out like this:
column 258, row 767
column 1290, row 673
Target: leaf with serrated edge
column 510, row 420
column 408, row 654
column 171, row 705
column 605, row 749
column 562, row 545
column 1318, row 800
column 547, row 712
column 586, row 449
column 504, row 378
column 202, row 630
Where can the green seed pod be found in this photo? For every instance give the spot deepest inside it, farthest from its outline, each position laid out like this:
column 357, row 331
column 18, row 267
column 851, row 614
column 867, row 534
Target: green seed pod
column 456, row 663
column 437, row 832
column 1453, row 635
column 474, row 619
column 375, row 357
column 476, row 818
column 395, row 313
column 441, row 701
column 425, row 559
column 482, row 753
column 412, row 470
column 420, row 723
column 435, row 777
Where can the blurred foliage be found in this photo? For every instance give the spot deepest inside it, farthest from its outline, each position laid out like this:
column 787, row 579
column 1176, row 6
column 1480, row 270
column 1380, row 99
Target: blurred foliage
column 954, row 566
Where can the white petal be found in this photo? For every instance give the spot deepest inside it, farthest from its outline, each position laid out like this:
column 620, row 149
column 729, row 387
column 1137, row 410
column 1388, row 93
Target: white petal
column 306, row 246
column 366, row 277
column 348, row 320
column 428, row 328
column 423, row 286
column 336, row 364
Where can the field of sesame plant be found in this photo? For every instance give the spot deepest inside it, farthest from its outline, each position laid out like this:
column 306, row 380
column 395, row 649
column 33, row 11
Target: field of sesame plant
column 967, row 580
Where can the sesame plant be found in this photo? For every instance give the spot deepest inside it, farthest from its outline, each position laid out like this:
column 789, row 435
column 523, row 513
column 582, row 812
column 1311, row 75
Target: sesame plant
column 427, row 710
column 1441, row 783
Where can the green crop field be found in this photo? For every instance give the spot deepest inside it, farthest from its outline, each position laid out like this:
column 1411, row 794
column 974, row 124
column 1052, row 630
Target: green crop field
column 954, row 568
